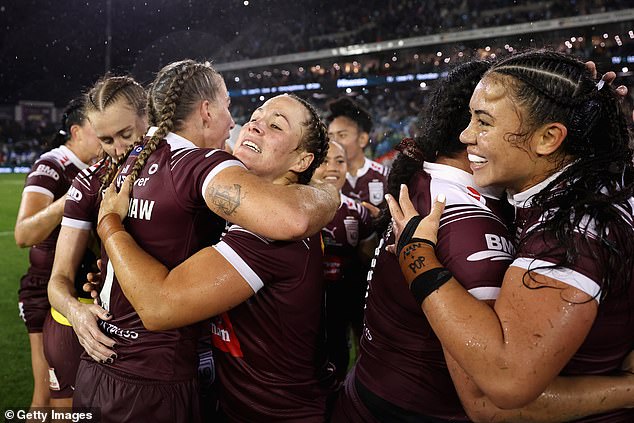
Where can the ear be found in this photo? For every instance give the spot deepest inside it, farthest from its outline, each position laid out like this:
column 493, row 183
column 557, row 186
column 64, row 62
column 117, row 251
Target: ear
column 303, row 162
column 549, row 138
column 74, row 130
column 364, row 139
column 205, row 113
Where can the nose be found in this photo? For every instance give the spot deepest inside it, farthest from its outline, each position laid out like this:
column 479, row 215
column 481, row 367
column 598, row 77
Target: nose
column 467, row 135
column 254, row 126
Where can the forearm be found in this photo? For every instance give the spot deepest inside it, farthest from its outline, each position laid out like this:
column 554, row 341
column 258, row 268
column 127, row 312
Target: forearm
column 34, row 229
column 140, row 275
column 61, row 294
column 282, row 212
column 566, row 399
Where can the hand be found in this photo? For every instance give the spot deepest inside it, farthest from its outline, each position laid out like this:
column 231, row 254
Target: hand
column 608, row 77
column 93, row 285
column 83, row 318
column 374, row 211
column 404, row 210
column 114, row 202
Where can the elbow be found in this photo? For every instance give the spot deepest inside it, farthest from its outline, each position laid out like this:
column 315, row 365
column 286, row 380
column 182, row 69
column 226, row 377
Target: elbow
column 21, row 239
column 509, row 395
column 153, row 319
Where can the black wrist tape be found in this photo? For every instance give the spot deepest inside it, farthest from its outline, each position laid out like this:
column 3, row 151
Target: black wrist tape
column 408, row 233
column 428, row 282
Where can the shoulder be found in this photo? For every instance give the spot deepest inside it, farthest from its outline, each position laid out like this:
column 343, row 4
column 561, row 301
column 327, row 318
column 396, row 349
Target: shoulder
column 378, row 167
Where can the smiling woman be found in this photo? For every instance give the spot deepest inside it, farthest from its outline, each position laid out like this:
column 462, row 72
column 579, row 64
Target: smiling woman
column 541, row 126
column 271, row 364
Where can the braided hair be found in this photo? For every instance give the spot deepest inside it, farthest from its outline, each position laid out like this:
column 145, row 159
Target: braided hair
column 597, row 184
column 439, row 128
column 173, row 96
column 315, row 140
column 74, row 114
column 108, row 91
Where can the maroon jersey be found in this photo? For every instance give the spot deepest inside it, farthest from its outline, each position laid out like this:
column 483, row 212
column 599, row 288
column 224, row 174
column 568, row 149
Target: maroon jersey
column 368, row 185
column 611, row 337
column 168, row 217
column 401, row 359
column 270, row 357
column 352, row 223
column 52, row 175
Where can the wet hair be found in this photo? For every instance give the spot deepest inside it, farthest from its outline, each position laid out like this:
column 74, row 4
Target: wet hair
column 315, row 140
column 598, row 182
column 346, row 107
column 439, row 128
column 107, row 91
column 74, row 114
column 172, row 97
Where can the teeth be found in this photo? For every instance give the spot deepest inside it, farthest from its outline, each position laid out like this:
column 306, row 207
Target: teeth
column 252, row 146
column 330, row 178
column 477, row 159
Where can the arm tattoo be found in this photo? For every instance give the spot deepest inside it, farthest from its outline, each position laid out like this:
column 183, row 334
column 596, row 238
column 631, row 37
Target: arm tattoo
column 225, row 198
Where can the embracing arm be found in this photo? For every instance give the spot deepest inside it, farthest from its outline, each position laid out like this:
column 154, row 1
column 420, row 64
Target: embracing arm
column 565, row 399
column 71, row 245
column 274, row 211
column 514, row 351
column 37, row 217
column 202, row 286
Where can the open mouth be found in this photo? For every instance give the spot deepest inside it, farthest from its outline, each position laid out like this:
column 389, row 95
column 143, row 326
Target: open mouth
column 477, row 159
column 331, row 178
column 252, row 146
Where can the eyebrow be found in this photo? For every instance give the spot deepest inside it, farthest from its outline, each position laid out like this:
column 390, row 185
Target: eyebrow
column 483, row 112
column 276, row 114
column 109, row 137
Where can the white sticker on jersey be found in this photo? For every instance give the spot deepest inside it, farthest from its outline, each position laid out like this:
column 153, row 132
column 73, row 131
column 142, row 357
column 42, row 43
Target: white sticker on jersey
column 375, row 189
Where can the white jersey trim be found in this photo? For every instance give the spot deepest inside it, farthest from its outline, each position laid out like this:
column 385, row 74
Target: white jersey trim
column 219, row 168
column 76, row 224
column 484, row 293
column 39, row 190
column 240, row 265
column 567, row 276
column 73, row 158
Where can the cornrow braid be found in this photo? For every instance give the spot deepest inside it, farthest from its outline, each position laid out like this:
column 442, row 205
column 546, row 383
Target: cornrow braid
column 315, row 140
column 107, row 91
column 166, row 124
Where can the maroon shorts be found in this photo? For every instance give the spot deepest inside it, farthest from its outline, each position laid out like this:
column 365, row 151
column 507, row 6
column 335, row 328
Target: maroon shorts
column 128, row 398
column 348, row 406
column 62, row 351
column 33, row 301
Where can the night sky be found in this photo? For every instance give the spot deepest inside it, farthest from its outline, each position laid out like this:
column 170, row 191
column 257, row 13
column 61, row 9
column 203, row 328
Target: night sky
column 51, row 50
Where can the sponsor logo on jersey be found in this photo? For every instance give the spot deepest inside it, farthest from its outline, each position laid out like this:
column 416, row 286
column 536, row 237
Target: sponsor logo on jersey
column 224, row 337
column 474, row 193
column 44, row 170
column 153, row 169
column 330, row 232
column 352, row 230
column 140, row 209
column 376, row 192
column 136, row 151
column 74, row 194
column 498, row 248
column 111, row 329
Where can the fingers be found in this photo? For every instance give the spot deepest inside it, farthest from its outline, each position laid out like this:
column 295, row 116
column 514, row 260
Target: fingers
column 592, row 67
column 374, row 211
column 126, row 187
column 622, row 90
column 96, row 344
column 609, row 77
column 438, row 207
column 395, row 209
column 406, row 204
